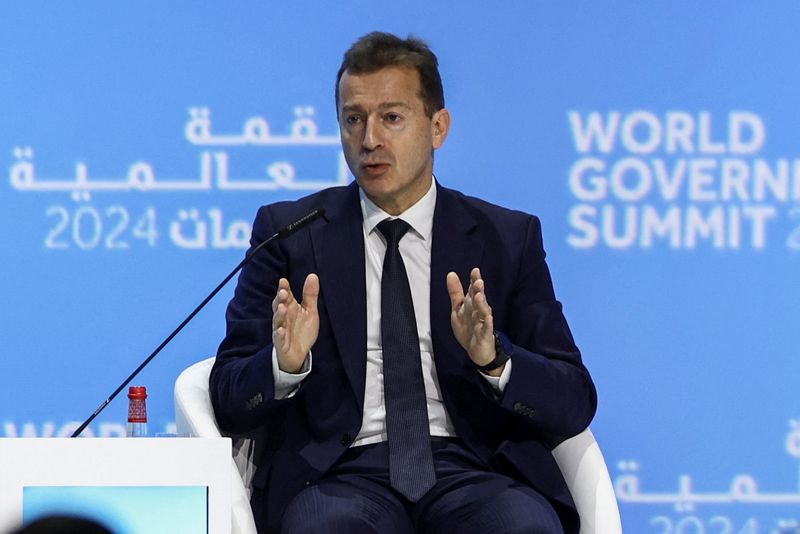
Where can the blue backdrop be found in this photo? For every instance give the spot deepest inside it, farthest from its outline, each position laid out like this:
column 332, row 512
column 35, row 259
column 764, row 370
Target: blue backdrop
column 657, row 141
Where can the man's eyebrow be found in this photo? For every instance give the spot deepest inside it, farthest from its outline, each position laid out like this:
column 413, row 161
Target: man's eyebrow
column 386, row 105
column 382, row 106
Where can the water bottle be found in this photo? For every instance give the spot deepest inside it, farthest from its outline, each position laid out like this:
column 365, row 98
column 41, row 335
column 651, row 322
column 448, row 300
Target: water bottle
column 137, row 412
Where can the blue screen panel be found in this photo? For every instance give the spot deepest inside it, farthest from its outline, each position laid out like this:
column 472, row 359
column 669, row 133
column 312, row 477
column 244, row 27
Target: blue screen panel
column 123, row 509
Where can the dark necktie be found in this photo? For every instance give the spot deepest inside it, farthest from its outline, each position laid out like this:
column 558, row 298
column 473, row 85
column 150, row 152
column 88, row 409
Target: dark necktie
column 411, row 469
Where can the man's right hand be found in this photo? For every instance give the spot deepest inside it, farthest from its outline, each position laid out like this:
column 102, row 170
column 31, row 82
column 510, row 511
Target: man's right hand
column 295, row 325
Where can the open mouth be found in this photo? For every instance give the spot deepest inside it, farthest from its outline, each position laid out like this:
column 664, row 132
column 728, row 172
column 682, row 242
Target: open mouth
column 375, row 168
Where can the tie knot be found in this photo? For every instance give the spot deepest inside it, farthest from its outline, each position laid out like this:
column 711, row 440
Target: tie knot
column 393, row 230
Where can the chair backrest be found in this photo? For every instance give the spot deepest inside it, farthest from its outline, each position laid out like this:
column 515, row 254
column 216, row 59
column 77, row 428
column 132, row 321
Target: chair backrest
column 579, row 459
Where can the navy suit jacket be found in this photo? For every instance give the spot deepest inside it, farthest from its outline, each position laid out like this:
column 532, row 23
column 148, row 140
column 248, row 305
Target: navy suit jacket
column 550, row 395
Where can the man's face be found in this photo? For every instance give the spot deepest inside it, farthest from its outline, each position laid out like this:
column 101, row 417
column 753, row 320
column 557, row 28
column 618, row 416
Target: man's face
column 387, row 139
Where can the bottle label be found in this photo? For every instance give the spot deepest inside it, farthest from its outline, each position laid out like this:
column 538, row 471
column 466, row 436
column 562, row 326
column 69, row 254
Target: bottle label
column 137, row 411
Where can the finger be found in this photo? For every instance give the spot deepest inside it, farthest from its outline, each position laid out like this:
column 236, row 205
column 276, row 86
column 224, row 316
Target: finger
column 283, row 285
column 311, row 292
column 279, row 341
column 482, row 323
column 279, row 316
column 281, row 297
column 283, row 293
column 487, row 326
column 279, row 336
column 455, row 290
column 481, row 303
column 475, row 275
column 277, row 298
column 476, row 317
column 475, row 288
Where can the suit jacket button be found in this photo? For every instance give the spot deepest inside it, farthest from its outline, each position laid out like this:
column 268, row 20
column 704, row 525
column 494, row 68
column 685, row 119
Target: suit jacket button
column 518, row 407
column 346, row 439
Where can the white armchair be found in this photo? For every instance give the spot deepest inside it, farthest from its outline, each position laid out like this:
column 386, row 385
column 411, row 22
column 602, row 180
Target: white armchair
column 194, row 416
column 579, row 459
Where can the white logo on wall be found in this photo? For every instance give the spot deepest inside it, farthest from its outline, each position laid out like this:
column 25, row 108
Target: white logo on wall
column 678, row 180
column 87, row 225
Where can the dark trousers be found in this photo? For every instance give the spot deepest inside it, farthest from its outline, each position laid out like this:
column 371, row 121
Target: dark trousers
column 356, row 497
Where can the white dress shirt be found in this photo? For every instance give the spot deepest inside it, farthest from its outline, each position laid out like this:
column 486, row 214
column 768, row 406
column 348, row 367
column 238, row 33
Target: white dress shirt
column 415, row 248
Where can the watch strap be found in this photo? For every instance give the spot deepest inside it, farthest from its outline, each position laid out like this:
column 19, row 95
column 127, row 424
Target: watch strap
column 503, row 349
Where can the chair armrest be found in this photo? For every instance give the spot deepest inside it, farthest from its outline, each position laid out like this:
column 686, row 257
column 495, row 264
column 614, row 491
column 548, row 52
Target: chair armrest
column 194, row 417
column 586, row 474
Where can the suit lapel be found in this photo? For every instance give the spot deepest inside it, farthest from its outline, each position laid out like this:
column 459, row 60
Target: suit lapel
column 339, row 248
column 456, row 247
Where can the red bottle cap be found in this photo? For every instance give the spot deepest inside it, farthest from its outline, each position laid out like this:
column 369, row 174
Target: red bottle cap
column 137, row 392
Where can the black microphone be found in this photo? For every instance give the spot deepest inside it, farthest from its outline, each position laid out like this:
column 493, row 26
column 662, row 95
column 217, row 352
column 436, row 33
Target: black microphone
column 286, row 231
column 291, row 228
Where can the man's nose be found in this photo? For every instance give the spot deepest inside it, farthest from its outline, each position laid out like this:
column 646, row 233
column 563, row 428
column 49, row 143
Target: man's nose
column 373, row 137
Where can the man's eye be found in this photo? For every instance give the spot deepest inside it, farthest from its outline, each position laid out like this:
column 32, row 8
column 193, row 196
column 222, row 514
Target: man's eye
column 352, row 119
column 393, row 117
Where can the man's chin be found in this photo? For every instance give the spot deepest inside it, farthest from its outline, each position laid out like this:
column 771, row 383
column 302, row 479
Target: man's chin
column 378, row 193
column 373, row 185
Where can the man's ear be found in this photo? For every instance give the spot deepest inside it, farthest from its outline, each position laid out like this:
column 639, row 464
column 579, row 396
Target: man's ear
column 440, row 126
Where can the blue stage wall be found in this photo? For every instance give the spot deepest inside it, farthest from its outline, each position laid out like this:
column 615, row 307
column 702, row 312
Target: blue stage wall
column 659, row 142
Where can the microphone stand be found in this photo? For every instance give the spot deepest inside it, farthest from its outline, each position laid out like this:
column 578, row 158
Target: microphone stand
column 280, row 234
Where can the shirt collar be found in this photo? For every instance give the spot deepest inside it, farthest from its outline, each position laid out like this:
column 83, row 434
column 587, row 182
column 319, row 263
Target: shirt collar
column 419, row 216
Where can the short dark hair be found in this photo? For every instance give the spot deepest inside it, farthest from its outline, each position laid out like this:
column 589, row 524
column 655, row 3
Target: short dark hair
column 377, row 50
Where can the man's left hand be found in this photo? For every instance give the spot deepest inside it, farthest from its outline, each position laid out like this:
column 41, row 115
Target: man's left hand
column 471, row 319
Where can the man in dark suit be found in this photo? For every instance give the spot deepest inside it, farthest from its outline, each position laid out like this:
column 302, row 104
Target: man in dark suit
column 337, row 379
